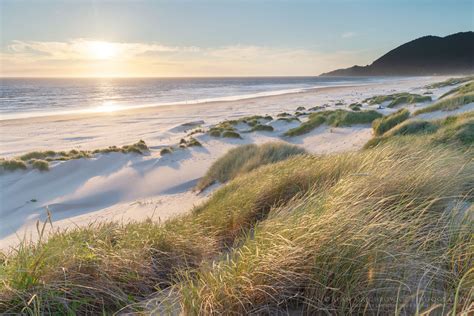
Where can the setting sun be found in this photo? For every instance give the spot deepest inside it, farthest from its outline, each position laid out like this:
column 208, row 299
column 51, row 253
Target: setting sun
column 101, row 50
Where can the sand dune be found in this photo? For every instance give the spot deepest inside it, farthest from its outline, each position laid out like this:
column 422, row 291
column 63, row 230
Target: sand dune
column 124, row 187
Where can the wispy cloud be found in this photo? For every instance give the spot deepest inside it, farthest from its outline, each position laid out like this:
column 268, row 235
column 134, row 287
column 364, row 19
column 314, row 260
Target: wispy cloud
column 348, row 34
column 86, row 57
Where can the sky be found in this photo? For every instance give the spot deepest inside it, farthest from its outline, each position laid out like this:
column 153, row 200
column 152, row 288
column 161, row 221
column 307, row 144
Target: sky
column 92, row 38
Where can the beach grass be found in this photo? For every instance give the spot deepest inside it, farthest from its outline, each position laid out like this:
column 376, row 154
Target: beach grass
column 230, row 134
column 12, row 164
column 260, row 127
column 385, row 123
column 464, row 89
column 458, row 130
column 245, row 158
column 449, row 82
column 336, row 118
column 397, row 99
column 40, row 159
column 384, row 230
column 448, row 104
column 166, row 151
column 41, row 165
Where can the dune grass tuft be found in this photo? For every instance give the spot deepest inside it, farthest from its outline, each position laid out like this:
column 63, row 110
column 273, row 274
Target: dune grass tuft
column 245, row 158
column 260, row 127
column 231, row 134
column 12, row 164
column 458, row 130
column 40, row 159
column 464, row 89
column 355, row 106
column 166, row 151
column 191, row 142
column 448, row 104
column 449, row 82
column 397, row 99
column 385, row 123
column 335, row 118
column 41, row 165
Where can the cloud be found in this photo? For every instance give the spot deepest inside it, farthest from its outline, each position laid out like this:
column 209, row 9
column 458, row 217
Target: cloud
column 85, row 57
column 83, row 49
column 348, row 34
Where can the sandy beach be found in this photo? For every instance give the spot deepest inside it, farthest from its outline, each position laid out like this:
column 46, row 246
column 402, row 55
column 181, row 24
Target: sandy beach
column 125, row 187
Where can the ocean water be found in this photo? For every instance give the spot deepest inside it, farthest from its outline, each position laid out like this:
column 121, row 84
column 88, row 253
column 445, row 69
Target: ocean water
column 26, row 97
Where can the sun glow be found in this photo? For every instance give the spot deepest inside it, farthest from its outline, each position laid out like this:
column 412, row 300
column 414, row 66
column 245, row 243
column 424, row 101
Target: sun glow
column 107, row 107
column 101, row 50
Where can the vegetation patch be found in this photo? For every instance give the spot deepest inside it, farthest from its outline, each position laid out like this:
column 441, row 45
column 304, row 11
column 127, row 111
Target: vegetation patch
column 260, row 127
column 309, row 233
column 335, row 118
column 464, row 89
column 12, row 164
column 166, row 151
column 41, row 165
column 449, row 82
column 385, row 123
column 191, row 142
column 40, row 159
column 448, row 104
column 397, row 99
column 284, row 114
column 300, row 108
column 355, row 106
column 231, row 134
column 316, row 108
column 288, row 119
column 458, row 130
column 244, row 159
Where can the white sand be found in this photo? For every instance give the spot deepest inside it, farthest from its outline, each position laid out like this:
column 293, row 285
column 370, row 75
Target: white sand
column 128, row 187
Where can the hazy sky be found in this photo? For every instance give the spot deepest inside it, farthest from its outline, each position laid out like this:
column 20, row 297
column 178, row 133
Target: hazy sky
column 213, row 38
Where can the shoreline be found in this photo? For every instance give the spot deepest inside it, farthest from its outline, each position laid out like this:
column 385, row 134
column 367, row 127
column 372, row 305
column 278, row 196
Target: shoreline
column 180, row 104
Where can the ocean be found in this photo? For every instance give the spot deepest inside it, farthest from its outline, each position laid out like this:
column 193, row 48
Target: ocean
column 27, row 97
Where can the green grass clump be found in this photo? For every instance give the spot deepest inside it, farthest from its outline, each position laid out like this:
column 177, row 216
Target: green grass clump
column 385, row 123
column 288, row 119
column 231, row 134
column 464, row 89
column 284, row 114
column 449, row 82
column 355, row 106
column 12, row 164
column 39, row 159
column 335, row 118
column 455, row 130
column 300, row 108
column 260, row 127
column 166, row 151
column 41, row 165
column 397, row 99
column 191, row 142
column 38, row 155
column 215, row 133
column 245, row 158
column 306, row 127
column 448, row 104
column 316, row 108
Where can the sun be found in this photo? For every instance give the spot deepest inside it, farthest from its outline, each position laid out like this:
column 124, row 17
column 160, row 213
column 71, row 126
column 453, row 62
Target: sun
column 101, row 50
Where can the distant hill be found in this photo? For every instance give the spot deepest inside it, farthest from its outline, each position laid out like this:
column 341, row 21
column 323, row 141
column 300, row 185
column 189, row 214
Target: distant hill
column 428, row 55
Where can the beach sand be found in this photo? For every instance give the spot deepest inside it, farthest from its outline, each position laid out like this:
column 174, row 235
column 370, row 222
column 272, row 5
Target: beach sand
column 125, row 187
